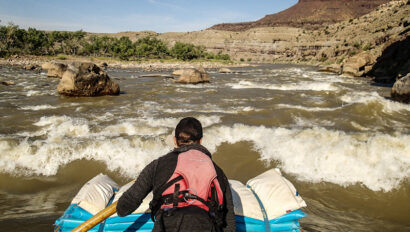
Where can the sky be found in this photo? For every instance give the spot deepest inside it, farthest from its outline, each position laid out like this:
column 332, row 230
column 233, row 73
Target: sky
column 111, row 16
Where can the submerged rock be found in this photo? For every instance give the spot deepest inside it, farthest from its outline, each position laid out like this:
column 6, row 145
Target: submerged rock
column 401, row 89
column 54, row 69
column 192, row 76
column 86, row 79
column 7, row 83
column 104, row 65
column 358, row 65
column 225, row 70
column 333, row 68
column 158, row 75
column 177, row 72
column 31, row 67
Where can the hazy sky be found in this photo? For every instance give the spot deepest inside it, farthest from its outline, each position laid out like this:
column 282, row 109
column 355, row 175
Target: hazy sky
column 137, row 15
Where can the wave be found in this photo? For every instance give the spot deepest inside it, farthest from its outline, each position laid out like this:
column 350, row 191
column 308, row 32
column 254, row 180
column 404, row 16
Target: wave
column 38, row 107
column 314, row 109
column 378, row 161
column 31, row 93
column 214, row 109
column 388, row 106
column 307, row 86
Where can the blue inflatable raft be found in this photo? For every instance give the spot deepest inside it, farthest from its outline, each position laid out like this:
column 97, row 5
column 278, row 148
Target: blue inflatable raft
column 268, row 202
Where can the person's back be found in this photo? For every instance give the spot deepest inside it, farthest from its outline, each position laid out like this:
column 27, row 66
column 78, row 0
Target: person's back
column 191, row 193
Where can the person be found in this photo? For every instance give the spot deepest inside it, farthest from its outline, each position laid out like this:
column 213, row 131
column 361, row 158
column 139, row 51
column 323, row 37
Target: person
column 190, row 192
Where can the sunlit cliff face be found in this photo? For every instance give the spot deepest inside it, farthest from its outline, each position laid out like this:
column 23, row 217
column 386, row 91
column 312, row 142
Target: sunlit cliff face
column 308, row 13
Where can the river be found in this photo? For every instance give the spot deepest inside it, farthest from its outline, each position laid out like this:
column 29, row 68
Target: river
column 339, row 140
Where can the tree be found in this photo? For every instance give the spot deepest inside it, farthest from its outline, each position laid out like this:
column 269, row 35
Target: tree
column 123, row 48
column 186, row 51
column 150, row 47
column 36, row 42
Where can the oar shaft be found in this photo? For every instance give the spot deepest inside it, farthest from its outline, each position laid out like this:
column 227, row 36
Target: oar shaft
column 99, row 217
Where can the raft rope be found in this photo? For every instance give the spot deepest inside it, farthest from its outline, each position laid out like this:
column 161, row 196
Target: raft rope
column 265, row 216
column 102, row 224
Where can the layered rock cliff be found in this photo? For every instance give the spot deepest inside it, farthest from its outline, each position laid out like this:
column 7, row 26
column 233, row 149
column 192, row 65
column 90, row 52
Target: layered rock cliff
column 334, row 43
column 309, row 14
column 375, row 33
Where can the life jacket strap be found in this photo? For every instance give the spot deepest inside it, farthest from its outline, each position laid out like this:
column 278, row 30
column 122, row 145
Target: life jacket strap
column 170, row 183
column 175, row 196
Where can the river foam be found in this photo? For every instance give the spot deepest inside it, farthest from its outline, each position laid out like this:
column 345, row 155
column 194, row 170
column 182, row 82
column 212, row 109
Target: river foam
column 303, row 86
column 388, row 105
column 38, row 107
column 378, row 161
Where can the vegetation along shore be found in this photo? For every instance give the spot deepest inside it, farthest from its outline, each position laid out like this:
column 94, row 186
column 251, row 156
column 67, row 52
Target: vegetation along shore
column 373, row 43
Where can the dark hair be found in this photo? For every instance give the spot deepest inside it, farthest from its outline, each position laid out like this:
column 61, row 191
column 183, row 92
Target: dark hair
column 188, row 131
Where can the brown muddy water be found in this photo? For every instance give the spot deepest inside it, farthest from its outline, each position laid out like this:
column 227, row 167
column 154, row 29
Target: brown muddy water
column 343, row 144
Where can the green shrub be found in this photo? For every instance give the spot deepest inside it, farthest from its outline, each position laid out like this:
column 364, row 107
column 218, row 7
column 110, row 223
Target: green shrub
column 221, row 56
column 366, row 47
column 14, row 40
column 61, row 57
column 184, row 51
column 357, row 45
column 323, row 59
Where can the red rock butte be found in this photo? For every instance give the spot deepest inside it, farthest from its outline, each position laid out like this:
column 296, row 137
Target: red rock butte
column 309, row 14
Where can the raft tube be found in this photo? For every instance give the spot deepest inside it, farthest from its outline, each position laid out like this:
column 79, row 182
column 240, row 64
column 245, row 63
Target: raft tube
column 268, row 202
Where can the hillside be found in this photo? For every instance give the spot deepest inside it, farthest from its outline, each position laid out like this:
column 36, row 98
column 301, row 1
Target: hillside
column 372, row 33
column 331, row 44
column 309, row 14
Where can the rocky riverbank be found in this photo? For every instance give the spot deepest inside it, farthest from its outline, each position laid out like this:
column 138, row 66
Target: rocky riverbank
column 386, row 27
column 35, row 62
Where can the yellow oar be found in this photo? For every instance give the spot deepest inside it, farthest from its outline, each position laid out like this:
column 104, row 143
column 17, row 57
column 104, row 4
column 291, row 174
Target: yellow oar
column 99, row 217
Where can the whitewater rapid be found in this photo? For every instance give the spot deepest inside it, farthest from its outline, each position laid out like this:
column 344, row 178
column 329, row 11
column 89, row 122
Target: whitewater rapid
column 317, row 127
column 378, row 161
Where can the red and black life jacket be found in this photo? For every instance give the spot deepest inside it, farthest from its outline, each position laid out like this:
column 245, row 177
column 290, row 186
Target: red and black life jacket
column 194, row 182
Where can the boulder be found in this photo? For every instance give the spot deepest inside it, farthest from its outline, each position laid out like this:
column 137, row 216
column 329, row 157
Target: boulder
column 31, row 67
column 104, row 66
column 193, row 76
column 7, row 83
column 333, row 68
column 177, row 72
column 401, row 89
column 54, row 69
column 86, row 79
column 356, row 65
column 225, row 70
column 158, row 75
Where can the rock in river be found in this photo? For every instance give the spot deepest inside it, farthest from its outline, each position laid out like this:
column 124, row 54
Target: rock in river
column 54, row 69
column 225, row 70
column 193, row 76
column 7, row 83
column 86, row 79
column 358, row 65
column 401, row 89
column 333, row 68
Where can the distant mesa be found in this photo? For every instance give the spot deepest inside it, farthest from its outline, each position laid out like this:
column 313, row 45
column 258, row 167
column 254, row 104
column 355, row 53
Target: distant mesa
column 309, row 14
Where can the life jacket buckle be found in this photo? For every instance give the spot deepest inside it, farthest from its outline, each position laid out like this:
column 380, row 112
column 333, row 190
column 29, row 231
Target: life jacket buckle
column 188, row 195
